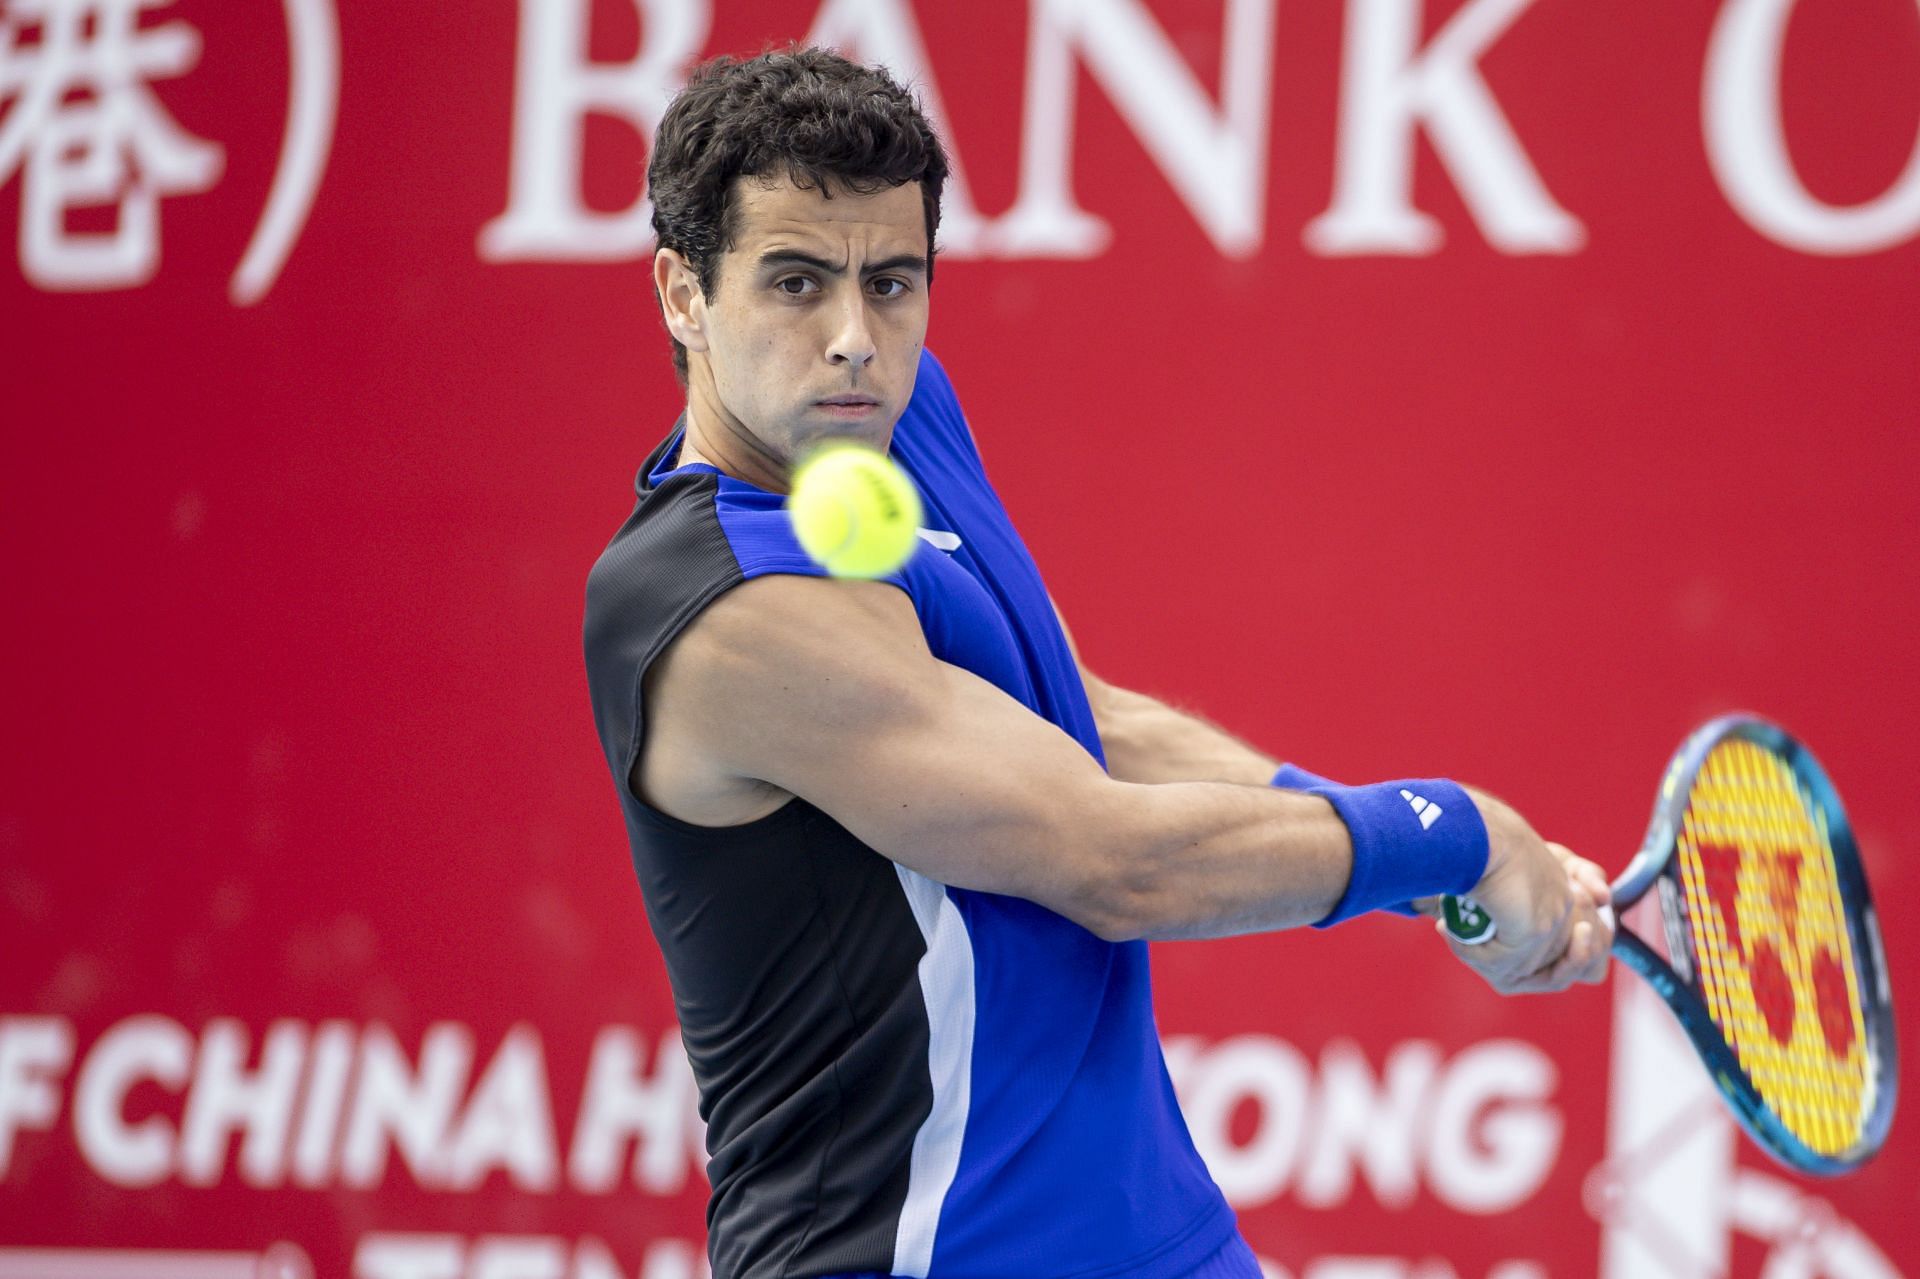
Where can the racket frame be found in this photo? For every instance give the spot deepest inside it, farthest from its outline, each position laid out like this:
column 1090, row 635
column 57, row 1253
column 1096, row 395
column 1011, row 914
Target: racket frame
column 1680, row 989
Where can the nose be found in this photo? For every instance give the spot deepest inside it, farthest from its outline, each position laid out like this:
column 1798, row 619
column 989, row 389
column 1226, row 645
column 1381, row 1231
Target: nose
column 852, row 340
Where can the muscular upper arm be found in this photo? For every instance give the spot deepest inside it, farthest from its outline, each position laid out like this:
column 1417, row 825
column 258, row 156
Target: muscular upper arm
column 826, row 690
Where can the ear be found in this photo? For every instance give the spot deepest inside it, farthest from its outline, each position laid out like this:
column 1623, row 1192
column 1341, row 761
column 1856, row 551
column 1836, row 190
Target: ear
column 682, row 304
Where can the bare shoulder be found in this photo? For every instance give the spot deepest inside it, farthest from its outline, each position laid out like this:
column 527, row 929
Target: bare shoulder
column 773, row 640
column 779, row 664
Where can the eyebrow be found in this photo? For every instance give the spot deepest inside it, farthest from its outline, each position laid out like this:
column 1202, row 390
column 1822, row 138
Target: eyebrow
column 793, row 257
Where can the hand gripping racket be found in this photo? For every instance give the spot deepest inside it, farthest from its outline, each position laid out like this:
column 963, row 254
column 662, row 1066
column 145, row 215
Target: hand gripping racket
column 1761, row 936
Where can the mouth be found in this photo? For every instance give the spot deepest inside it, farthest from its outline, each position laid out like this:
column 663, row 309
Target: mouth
column 849, row 405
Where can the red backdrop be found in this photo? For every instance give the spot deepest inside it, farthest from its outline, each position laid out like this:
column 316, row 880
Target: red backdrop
column 1493, row 388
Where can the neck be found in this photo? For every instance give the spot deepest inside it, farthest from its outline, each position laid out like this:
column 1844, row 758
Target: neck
column 722, row 441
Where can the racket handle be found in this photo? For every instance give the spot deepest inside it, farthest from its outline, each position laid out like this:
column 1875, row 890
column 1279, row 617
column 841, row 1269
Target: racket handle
column 1470, row 924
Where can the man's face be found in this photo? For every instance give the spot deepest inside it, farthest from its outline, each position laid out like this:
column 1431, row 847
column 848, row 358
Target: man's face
column 818, row 315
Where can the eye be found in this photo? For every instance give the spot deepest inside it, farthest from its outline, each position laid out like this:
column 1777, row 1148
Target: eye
column 795, row 286
column 889, row 286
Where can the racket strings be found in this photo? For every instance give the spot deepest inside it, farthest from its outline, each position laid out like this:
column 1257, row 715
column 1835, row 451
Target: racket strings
column 1768, row 931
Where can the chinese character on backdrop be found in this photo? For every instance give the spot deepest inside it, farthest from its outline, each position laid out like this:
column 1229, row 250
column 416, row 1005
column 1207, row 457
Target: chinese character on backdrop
column 82, row 128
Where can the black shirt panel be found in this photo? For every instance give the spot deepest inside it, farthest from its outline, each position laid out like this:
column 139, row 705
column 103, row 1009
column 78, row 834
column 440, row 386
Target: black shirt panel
column 790, row 946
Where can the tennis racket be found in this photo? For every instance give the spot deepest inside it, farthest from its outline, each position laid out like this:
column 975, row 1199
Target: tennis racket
column 1761, row 936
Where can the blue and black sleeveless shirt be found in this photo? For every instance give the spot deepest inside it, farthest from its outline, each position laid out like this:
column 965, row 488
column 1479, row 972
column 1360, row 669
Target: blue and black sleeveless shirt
column 898, row 1077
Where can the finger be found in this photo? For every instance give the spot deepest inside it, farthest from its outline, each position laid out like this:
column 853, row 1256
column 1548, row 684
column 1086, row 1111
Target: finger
column 1588, row 876
column 1586, row 957
column 1578, row 964
column 1594, row 880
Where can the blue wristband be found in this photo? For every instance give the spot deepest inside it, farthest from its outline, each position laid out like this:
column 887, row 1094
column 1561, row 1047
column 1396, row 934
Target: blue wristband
column 1410, row 839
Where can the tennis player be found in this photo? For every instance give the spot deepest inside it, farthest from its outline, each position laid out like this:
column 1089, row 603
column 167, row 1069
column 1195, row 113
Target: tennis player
column 900, row 852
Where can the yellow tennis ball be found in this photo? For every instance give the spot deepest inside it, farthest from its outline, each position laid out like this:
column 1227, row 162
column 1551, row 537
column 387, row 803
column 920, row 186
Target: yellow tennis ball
column 854, row 510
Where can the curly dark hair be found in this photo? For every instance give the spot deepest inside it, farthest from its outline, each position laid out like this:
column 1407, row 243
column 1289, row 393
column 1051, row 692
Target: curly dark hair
column 804, row 113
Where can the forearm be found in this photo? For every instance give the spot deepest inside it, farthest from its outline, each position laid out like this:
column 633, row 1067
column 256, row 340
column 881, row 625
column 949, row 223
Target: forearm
column 1148, row 741
column 1206, row 859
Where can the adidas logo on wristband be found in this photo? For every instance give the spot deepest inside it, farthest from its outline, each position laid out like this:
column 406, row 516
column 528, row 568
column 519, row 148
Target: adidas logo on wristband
column 1428, row 811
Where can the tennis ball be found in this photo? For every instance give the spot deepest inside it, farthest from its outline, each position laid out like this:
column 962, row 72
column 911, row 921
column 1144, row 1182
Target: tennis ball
column 854, row 510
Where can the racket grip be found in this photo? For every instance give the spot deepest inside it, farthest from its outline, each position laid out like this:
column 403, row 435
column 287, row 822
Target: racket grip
column 1470, row 924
